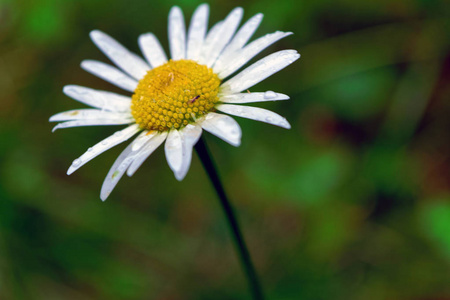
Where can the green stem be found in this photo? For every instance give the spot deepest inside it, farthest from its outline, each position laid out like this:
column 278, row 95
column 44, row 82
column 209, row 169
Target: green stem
column 244, row 255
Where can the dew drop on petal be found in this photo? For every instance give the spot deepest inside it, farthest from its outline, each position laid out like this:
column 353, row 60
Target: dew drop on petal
column 270, row 95
column 76, row 162
column 79, row 91
column 269, row 119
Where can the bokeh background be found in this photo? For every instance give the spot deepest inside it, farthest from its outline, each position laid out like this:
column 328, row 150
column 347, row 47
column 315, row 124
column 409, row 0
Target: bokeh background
column 352, row 203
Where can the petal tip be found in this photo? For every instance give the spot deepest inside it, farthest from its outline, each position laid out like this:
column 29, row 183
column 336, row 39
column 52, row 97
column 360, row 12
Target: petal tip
column 285, row 124
column 67, row 88
column 56, row 127
column 84, row 64
column 284, row 97
column 179, row 176
column 175, row 9
column 70, row 170
column 145, row 36
column 95, row 33
column 104, row 193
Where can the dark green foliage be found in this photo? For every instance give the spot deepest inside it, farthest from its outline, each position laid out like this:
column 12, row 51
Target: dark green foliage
column 352, row 203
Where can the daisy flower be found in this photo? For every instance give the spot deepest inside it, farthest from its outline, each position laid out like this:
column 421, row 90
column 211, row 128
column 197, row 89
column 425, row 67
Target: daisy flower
column 174, row 100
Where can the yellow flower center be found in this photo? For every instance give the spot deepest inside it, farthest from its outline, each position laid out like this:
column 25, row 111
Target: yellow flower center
column 174, row 95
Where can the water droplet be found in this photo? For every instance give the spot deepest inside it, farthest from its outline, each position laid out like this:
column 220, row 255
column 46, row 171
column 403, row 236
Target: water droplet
column 89, row 149
column 76, row 163
column 270, row 95
column 70, row 89
column 117, row 133
column 104, row 142
column 269, row 119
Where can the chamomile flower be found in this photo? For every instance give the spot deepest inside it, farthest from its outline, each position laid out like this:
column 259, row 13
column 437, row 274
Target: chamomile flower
column 174, row 100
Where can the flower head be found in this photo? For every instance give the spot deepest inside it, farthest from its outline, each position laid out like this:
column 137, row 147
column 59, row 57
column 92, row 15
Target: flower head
column 175, row 100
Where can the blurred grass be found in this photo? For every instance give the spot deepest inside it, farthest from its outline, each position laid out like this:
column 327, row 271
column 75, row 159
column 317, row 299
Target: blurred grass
column 351, row 203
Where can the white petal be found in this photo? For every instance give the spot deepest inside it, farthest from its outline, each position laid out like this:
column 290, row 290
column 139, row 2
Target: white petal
column 108, row 143
column 191, row 133
column 152, row 49
column 214, row 46
column 212, row 33
column 100, row 99
column 208, row 39
column 122, row 57
column 259, row 71
column 110, row 74
column 174, row 148
column 87, row 114
column 119, row 167
column 140, row 141
column 197, row 31
column 145, row 152
column 94, row 122
column 224, row 127
column 253, row 97
column 235, row 60
column 177, row 34
column 243, row 34
column 254, row 113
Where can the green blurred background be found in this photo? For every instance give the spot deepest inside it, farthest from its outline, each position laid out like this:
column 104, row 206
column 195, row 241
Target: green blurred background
column 352, row 203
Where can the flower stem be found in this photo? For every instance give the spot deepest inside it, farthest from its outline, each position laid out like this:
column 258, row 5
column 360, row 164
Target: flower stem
column 244, row 255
